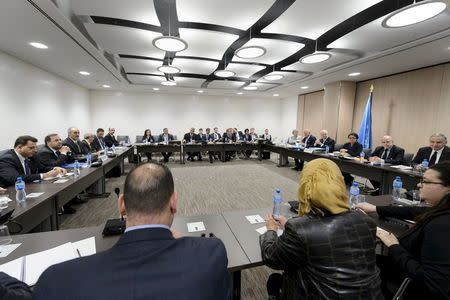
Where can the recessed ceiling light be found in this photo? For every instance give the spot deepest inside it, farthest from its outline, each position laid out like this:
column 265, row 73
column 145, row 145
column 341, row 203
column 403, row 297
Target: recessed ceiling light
column 106, row 86
column 168, row 69
column 414, row 13
column 200, row 91
column 156, row 89
column 170, row 43
column 250, row 52
column 250, row 88
column 314, row 58
column 224, row 73
column 240, row 93
column 84, row 73
column 354, row 74
column 304, row 87
column 38, row 45
column 273, row 77
column 276, row 95
column 169, row 83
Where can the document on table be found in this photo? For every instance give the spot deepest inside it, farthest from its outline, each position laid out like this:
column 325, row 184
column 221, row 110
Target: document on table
column 255, row 219
column 5, row 250
column 61, row 180
column 196, row 226
column 262, row 230
column 86, row 246
column 34, row 195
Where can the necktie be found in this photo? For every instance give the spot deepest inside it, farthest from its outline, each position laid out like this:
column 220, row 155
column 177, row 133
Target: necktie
column 384, row 154
column 78, row 146
column 27, row 166
column 433, row 159
column 57, row 153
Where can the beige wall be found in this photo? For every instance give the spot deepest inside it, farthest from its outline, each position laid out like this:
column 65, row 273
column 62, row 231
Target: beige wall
column 310, row 112
column 409, row 106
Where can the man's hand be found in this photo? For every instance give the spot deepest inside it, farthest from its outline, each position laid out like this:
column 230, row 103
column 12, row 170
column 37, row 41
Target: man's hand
column 2, row 190
column 386, row 237
column 367, row 207
column 50, row 174
column 271, row 223
column 281, row 221
column 64, row 150
column 61, row 171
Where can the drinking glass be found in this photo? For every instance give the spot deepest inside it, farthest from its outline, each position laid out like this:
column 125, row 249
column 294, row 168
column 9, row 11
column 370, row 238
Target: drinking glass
column 416, row 197
column 5, row 238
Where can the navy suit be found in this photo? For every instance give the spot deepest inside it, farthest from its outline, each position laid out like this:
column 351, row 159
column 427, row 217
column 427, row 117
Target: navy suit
column 49, row 158
column 166, row 155
column 98, row 144
column 110, row 140
column 76, row 148
column 395, row 156
column 309, row 141
column 425, row 153
column 144, row 264
column 328, row 142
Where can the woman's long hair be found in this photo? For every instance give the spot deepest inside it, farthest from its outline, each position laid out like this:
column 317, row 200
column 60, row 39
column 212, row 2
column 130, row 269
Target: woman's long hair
column 145, row 132
column 443, row 207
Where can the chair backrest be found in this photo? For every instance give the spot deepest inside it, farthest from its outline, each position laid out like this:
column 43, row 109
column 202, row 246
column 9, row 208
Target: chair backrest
column 407, row 158
column 175, row 137
column 155, row 138
column 338, row 147
column 367, row 152
column 123, row 138
column 139, row 138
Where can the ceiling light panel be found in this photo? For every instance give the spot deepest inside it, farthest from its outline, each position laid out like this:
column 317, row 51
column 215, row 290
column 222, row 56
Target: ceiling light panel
column 206, row 43
column 276, row 50
column 195, row 66
column 311, row 19
column 147, row 66
column 382, row 38
column 189, row 82
column 240, row 15
column 125, row 40
column 146, row 79
column 287, row 77
column 244, row 70
column 264, row 86
column 225, row 84
column 336, row 59
column 140, row 11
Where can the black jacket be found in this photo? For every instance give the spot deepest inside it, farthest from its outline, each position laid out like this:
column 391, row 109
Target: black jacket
column 422, row 255
column 98, row 144
column 13, row 289
column 325, row 258
column 227, row 139
column 219, row 137
column 395, row 156
column 161, row 138
column 328, row 142
column 11, row 168
column 87, row 148
column 425, row 153
column 149, row 139
column 49, row 158
column 76, row 148
column 144, row 264
column 188, row 139
column 311, row 141
column 354, row 150
column 110, row 140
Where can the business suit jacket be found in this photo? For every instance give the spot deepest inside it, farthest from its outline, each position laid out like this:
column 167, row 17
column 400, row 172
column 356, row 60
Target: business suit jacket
column 239, row 136
column 149, row 139
column 87, row 148
column 328, row 142
column 76, row 148
column 13, row 289
column 311, row 141
column 219, row 137
column 226, row 138
column 144, row 264
column 200, row 137
column 354, row 150
column 209, row 137
column 110, row 140
column 49, row 158
column 425, row 153
column 395, row 156
column 98, row 144
column 269, row 137
column 187, row 137
column 11, row 168
column 247, row 138
column 161, row 138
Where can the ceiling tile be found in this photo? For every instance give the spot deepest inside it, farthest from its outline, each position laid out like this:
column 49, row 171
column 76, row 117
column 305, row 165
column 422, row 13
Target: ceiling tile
column 195, row 66
column 188, row 82
column 244, row 70
column 225, row 84
column 132, row 65
column 146, row 79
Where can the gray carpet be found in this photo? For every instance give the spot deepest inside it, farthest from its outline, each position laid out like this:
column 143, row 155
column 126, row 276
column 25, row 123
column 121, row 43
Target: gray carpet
column 205, row 188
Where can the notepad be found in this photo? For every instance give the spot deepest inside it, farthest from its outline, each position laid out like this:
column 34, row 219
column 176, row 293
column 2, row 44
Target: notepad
column 34, row 195
column 255, row 219
column 262, row 230
column 196, row 226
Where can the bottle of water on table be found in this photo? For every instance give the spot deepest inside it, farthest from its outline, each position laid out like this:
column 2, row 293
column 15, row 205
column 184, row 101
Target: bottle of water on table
column 277, row 200
column 76, row 169
column 354, row 195
column 396, row 188
column 21, row 195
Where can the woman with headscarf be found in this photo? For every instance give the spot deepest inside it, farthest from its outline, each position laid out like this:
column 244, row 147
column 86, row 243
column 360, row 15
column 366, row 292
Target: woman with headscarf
column 328, row 251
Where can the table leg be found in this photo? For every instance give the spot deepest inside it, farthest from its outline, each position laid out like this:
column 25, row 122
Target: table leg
column 236, row 285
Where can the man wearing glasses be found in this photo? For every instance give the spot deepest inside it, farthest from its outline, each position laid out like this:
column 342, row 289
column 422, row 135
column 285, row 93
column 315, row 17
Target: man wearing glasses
column 437, row 151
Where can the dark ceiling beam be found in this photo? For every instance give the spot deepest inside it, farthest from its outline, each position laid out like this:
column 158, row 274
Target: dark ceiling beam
column 125, row 23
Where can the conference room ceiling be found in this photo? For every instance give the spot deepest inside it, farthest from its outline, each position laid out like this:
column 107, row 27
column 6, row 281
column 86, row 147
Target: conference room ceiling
column 112, row 40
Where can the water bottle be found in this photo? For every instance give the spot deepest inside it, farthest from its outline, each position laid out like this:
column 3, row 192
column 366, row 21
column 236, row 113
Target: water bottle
column 327, row 149
column 76, row 169
column 425, row 164
column 89, row 159
column 277, row 203
column 396, row 188
column 113, row 148
column 354, row 194
column 361, row 156
column 21, row 195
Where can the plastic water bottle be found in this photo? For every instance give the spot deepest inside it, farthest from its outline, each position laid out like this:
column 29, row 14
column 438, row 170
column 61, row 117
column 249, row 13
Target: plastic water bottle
column 354, row 194
column 89, row 159
column 21, row 195
column 113, row 148
column 277, row 200
column 396, row 188
column 361, row 156
column 76, row 169
column 327, row 149
column 425, row 164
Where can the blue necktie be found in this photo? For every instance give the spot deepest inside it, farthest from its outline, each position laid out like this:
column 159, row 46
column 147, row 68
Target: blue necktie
column 27, row 167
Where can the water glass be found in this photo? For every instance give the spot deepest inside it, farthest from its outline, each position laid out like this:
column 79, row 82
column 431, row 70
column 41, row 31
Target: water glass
column 361, row 198
column 5, row 238
column 3, row 202
column 416, row 197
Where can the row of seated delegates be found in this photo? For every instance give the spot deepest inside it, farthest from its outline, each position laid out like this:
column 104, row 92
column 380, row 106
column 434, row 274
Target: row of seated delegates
column 135, row 267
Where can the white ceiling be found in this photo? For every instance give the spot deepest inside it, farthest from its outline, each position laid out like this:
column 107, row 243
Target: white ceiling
column 371, row 49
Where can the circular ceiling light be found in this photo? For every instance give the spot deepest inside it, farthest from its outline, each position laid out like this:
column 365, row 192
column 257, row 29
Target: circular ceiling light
column 304, row 87
column 39, row 45
column 84, row 73
column 354, row 74
column 224, row 73
column 200, row 91
column 106, row 86
column 314, row 58
column 169, row 43
column 273, row 77
column 168, row 69
column 251, row 88
column 276, row 95
column 415, row 13
column 250, row 52
column 156, row 89
column 169, row 83
column 240, row 93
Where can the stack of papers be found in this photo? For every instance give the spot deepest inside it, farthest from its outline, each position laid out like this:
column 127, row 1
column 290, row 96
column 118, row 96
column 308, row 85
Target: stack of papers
column 28, row 268
column 402, row 167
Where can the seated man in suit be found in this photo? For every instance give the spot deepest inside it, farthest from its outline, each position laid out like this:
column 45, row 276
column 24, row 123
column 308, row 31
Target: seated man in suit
column 266, row 136
column 190, row 138
column 253, row 134
column 110, row 139
column 165, row 138
column 88, row 143
column 200, row 138
column 73, row 142
column 325, row 141
column 23, row 162
column 437, row 151
column 216, row 137
column 239, row 134
column 99, row 143
column 150, row 261
column 294, row 140
column 308, row 141
column 54, row 154
column 229, row 137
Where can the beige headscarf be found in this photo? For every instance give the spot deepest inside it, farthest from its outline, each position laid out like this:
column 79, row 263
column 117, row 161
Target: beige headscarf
column 322, row 189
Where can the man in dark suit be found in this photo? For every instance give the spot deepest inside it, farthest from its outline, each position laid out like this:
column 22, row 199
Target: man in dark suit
column 110, row 139
column 388, row 152
column 23, row 162
column 190, row 138
column 150, row 261
column 88, row 143
column 308, row 141
column 54, row 154
column 437, row 151
column 229, row 137
column 165, row 138
column 266, row 136
column 99, row 143
column 73, row 142
column 325, row 141
column 239, row 134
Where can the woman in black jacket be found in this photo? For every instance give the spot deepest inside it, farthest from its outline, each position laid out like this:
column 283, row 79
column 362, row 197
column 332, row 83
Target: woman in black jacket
column 353, row 148
column 148, row 138
column 328, row 252
column 423, row 252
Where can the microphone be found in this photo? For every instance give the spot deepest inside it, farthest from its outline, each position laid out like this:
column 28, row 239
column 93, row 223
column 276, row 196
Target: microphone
column 117, row 191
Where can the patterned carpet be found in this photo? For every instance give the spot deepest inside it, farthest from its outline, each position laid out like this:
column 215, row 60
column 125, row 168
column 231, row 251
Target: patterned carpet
column 205, row 188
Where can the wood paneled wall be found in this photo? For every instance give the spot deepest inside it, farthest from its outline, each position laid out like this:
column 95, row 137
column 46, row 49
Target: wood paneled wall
column 310, row 111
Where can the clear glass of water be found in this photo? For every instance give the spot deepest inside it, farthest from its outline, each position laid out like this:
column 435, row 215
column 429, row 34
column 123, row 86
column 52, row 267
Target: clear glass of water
column 3, row 202
column 5, row 237
column 416, row 197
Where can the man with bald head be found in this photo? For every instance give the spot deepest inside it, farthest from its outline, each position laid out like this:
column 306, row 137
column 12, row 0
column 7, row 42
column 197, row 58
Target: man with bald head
column 110, row 139
column 73, row 141
column 388, row 152
column 437, row 151
column 150, row 261
column 325, row 141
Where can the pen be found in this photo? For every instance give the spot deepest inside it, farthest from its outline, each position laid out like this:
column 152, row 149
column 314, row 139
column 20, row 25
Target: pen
column 78, row 251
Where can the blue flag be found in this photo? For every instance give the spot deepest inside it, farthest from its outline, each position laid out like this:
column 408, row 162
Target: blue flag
column 365, row 130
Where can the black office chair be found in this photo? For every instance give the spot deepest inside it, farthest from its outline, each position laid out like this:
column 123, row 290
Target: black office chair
column 407, row 159
column 123, row 138
column 401, row 290
column 139, row 138
column 367, row 152
column 338, row 147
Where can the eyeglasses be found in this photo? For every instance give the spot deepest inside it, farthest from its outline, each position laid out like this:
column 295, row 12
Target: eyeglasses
column 422, row 182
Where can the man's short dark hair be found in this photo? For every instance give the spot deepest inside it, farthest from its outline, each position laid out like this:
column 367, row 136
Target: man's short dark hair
column 148, row 189
column 100, row 130
column 48, row 138
column 23, row 140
